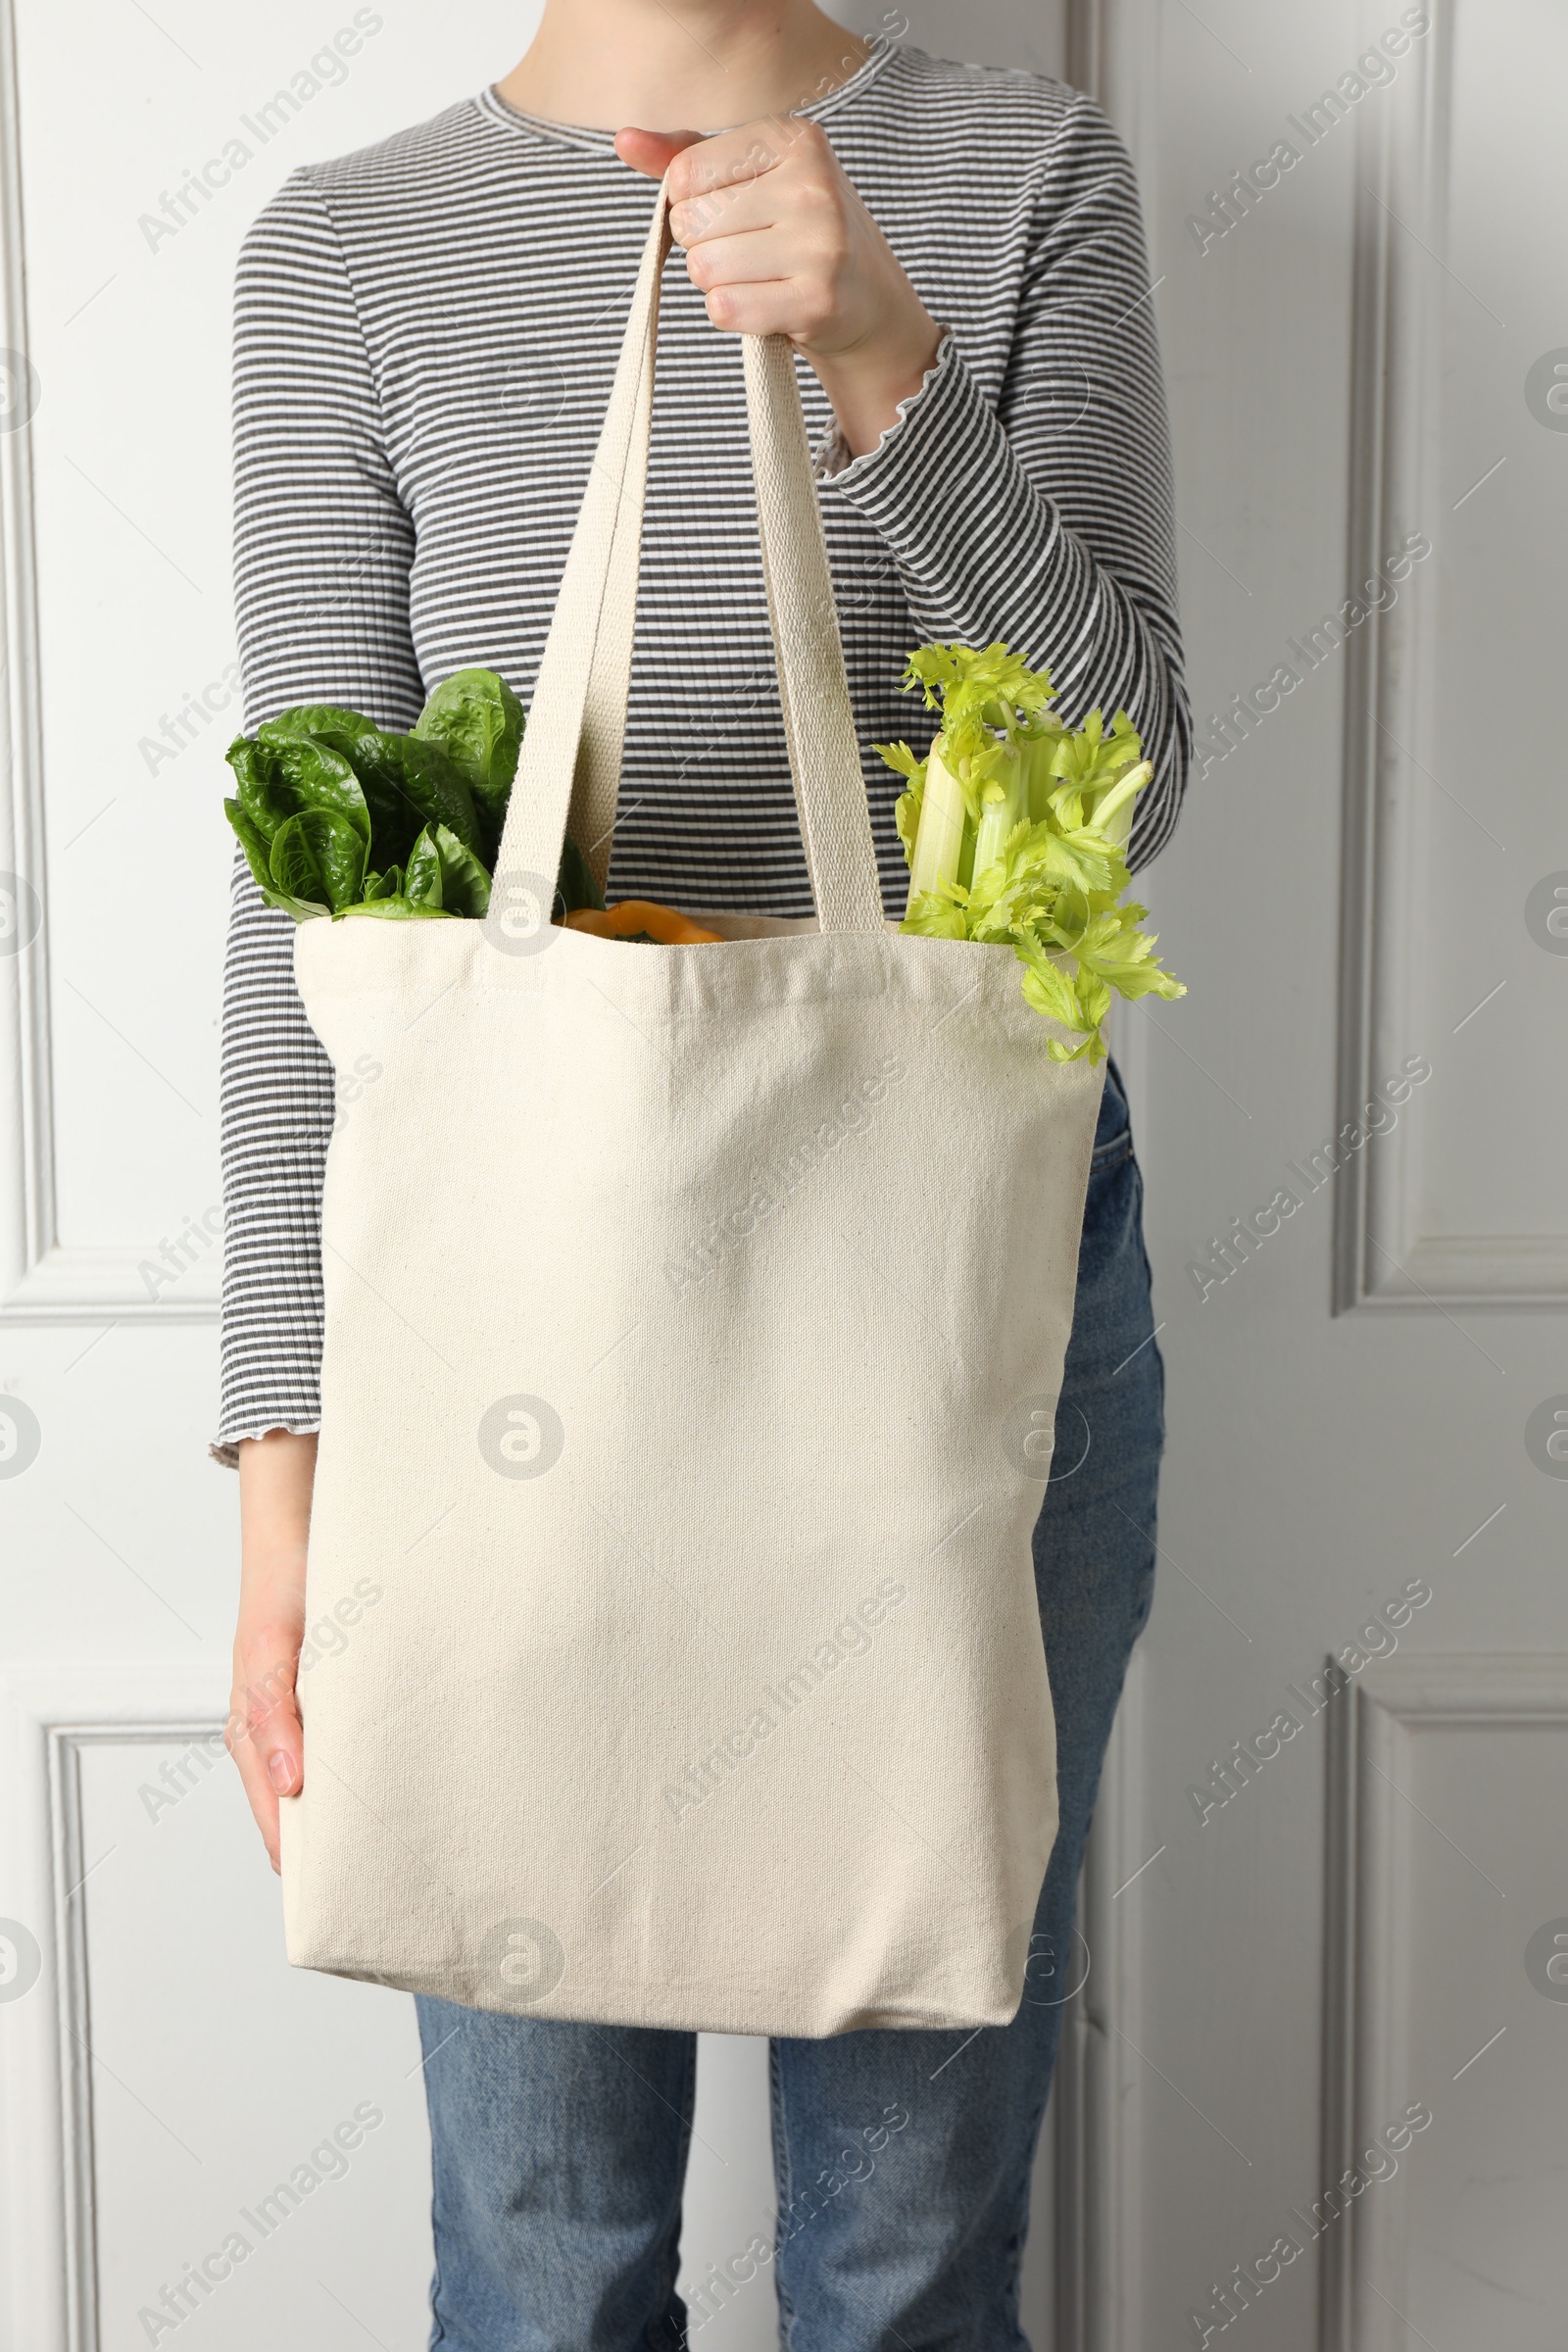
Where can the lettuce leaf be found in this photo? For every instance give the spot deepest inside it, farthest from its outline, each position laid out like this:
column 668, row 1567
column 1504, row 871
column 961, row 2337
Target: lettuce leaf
column 319, row 856
column 477, row 721
column 407, row 786
column 575, row 886
column 394, row 907
column 465, row 884
column 310, row 773
column 258, row 852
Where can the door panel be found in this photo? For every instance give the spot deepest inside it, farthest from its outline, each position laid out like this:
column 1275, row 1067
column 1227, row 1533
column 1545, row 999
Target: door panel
column 1339, row 1916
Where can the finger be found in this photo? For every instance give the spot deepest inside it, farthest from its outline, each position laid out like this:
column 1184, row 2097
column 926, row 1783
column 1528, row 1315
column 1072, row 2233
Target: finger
column 765, row 284
column 732, row 155
column 653, row 151
column 760, row 307
column 761, row 255
column 731, row 211
column 260, row 1795
column 265, row 1733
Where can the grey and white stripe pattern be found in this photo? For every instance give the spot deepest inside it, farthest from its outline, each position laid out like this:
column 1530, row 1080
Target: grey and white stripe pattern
column 425, row 337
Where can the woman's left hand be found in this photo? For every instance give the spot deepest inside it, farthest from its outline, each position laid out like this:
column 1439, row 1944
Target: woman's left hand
column 780, row 244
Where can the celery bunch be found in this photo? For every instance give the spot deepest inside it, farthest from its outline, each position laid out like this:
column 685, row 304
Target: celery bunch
column 1015, row 828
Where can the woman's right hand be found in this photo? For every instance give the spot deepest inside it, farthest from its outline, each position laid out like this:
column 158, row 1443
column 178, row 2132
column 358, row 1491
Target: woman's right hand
column 264, row 1735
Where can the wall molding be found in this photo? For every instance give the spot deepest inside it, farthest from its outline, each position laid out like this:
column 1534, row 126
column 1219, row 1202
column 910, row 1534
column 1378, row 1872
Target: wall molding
column 1382, row 1256
column 1401, row 148
column 41, row 1280
column 48, row 1718
column 1113, row 54
column 1367, row 1944
column 1095, row 2116
column 1097, row 2263
column 27, row 1211
column 63, row 1285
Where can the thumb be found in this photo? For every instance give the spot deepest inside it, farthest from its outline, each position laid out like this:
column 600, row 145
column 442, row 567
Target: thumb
column 654, row 151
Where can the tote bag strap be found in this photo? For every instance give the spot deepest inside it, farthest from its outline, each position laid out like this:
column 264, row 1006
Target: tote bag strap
column 568, row 772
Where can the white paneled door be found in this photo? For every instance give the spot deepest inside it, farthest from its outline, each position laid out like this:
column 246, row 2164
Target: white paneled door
column 1311, row 2092
column 1352, row 2043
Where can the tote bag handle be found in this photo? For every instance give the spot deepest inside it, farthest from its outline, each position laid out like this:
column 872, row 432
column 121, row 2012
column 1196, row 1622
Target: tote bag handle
column 568, row 772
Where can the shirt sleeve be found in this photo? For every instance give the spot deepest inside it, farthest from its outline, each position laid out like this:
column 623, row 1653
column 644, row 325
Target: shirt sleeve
column 322, row 549
column 1046, row 519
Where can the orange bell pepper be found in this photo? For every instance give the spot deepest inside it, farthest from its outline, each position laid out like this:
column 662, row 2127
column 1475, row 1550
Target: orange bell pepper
column 640, row 918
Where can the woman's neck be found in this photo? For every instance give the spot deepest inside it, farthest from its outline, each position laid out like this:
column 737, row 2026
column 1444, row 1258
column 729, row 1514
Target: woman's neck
column 701, row 64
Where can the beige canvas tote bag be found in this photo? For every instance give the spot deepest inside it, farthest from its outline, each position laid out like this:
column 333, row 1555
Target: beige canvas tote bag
column 694, row 1319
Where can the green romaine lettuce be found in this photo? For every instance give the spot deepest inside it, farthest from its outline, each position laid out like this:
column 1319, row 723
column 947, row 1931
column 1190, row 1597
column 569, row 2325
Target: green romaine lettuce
column 254, row 842
column 421, row 877
column 302, row 772
column 575, row 886
column 407, row 786
column 263, row 795
column 396, row 908
column 465, row 884
column 478, row 722
column 444, row 876
column 319, row 856
column 370, row 820
column 321, row 718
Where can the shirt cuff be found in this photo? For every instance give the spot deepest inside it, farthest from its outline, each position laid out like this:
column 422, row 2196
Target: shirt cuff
column 833, row 461
column 224, row 1451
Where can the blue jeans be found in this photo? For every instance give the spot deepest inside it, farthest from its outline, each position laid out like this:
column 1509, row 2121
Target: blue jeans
column 902, row 2159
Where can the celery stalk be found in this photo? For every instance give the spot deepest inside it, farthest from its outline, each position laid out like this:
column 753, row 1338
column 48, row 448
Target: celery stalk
column 1112, row 812
column 939, row 843
column 1002, row 766
column 1038, row 745
column 1003, row 804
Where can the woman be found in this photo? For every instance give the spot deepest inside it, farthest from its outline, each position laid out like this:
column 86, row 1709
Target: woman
column 426, row 334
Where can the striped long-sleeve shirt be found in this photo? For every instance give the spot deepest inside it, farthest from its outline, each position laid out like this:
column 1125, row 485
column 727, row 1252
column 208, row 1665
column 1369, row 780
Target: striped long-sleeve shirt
column 425, row 336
